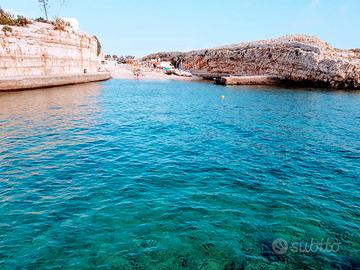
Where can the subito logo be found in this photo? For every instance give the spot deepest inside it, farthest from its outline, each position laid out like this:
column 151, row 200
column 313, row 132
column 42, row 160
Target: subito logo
column 280, row 246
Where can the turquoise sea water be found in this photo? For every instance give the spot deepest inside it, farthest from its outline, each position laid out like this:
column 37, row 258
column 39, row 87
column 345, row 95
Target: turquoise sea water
column 167, row 175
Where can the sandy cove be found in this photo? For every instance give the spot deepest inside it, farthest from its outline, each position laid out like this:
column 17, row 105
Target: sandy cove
column 125, row 71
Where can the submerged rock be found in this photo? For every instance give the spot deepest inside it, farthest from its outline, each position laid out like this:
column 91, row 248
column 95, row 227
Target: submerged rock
column 293, row 59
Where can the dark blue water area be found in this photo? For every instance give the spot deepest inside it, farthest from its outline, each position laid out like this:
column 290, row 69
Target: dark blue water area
column 168, row 175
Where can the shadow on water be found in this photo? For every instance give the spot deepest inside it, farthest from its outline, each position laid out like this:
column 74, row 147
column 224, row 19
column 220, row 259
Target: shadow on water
column 49, row 105
column 287, row 88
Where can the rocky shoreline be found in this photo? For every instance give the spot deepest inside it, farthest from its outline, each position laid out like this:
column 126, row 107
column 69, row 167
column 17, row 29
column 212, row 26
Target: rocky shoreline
column 296, row 59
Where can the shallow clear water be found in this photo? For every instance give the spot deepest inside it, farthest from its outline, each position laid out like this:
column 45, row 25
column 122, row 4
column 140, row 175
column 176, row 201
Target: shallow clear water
column 167, row 175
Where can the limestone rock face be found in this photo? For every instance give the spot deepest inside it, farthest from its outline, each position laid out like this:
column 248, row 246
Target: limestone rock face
column 298, row 59
column 38, row 49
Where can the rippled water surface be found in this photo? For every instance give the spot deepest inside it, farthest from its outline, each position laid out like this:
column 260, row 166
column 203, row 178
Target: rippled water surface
column 167, row 175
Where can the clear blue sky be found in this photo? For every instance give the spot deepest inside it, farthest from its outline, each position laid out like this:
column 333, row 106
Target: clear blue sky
column 140, row 27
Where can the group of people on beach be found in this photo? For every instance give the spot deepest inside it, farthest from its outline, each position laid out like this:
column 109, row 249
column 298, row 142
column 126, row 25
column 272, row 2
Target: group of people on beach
column 137, row 69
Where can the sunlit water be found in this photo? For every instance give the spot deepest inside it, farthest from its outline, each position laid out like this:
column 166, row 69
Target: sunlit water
column 167, row 175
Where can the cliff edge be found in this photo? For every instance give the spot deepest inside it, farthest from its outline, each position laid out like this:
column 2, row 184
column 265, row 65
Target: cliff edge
column 38, row 49
column 44, row 54
column 293, row 59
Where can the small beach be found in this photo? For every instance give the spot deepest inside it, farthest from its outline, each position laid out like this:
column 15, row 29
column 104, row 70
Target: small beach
column 125, row 71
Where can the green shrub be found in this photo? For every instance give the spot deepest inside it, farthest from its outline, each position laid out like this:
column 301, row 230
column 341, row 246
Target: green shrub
column 22, row 21
column 6, row 18
column 60, row 24
column 98, row 45
column 42, row 20
column 7, row 29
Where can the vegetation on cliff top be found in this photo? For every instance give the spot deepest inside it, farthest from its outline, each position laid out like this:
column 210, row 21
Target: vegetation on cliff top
column 60, row 24
column 44, row 5
column 42, row 20
column 8, row 19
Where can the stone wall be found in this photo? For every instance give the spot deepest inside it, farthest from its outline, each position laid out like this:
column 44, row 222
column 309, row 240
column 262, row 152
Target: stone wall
column 33, row 82
column 38, row 49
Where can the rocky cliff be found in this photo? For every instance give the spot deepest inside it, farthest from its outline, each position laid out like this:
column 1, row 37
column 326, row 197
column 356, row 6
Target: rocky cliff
column 39, row 49
column 295, row 59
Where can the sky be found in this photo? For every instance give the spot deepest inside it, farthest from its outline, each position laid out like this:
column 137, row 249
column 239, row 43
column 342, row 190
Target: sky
column 140, row 27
